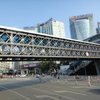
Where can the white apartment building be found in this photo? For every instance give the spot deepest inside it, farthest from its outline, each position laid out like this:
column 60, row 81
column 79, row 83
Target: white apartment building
column 55, row 28
column 58, row 29
column 5, row 66
column 50, row 27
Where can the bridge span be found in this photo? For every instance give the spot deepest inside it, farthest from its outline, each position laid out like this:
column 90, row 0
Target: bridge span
column 20, row 45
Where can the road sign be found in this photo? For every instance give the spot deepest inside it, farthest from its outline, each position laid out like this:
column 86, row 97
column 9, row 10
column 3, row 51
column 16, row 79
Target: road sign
column 87, row 54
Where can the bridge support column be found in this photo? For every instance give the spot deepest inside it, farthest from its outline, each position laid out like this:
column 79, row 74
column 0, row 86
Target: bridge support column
column 85, row 71
column 97, row 67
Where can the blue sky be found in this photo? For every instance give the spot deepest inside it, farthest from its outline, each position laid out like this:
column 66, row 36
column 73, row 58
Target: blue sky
column 22, row 13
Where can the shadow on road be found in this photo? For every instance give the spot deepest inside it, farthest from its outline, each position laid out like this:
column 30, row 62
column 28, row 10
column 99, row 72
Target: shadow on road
column 95, row 91
column 21, row 84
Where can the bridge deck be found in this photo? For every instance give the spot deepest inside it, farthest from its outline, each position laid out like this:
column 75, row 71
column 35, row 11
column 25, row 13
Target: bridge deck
column 16, row 44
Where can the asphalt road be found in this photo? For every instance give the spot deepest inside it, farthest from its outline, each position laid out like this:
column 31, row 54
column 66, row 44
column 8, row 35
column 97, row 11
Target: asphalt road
column 49, row 88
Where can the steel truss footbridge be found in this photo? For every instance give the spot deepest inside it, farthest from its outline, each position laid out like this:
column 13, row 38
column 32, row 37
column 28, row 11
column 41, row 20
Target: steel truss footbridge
column 21, row 45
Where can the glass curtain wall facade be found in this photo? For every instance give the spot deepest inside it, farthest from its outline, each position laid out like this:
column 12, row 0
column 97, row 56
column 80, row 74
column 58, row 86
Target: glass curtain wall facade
column 48, row 28
column 82, row 27
column 55, row 28
column 40, row 29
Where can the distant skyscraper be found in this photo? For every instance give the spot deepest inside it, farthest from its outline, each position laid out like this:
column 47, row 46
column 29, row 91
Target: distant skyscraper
column 55, row 28
column 98, row 29
column 50, row 27
column 82, row 27
column 5, row 66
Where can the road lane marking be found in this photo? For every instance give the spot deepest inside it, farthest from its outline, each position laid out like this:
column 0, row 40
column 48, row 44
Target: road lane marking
column 43, row 96
column 70, row 89
column 62, row 91
column 49, row 92
column 15, row 92
column 85, row 87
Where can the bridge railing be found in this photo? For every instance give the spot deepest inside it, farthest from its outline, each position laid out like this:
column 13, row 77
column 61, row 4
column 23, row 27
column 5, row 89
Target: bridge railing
column 82, row 65
column 21, row 43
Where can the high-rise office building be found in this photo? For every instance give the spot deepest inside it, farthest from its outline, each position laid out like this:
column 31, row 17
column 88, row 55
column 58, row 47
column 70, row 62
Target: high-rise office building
column 50, row 27
column 82, row 27
column 5, row 66
column 98, row 29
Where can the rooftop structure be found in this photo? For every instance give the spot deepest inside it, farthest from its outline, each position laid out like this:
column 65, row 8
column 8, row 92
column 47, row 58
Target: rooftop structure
column 55, row 28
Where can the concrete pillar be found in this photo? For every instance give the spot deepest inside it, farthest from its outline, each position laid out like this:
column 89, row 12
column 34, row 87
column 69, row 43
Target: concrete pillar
column 22, row 71
column 97, row 67
column 26, row 71
column 35, row 70
column 85, row 71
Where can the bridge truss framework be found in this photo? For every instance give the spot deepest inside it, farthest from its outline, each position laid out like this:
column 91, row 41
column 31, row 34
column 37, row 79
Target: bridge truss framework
column 16, row 45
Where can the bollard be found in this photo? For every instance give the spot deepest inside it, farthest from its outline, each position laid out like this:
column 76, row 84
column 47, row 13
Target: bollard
column 89, row 84
column 12, row 76
column 74, row 77
column 76, row 83
column 98, row 80
column 66, row 82
column 45, row 80
column 91, row 78
column 57, row 81
column 50, row 81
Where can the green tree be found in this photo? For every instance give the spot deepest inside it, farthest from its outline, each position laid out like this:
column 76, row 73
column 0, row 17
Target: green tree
column 44, row 65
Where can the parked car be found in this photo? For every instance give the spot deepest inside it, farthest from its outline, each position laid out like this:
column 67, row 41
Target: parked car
column 18, row 75
column 10, row 76
column 22, row 75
